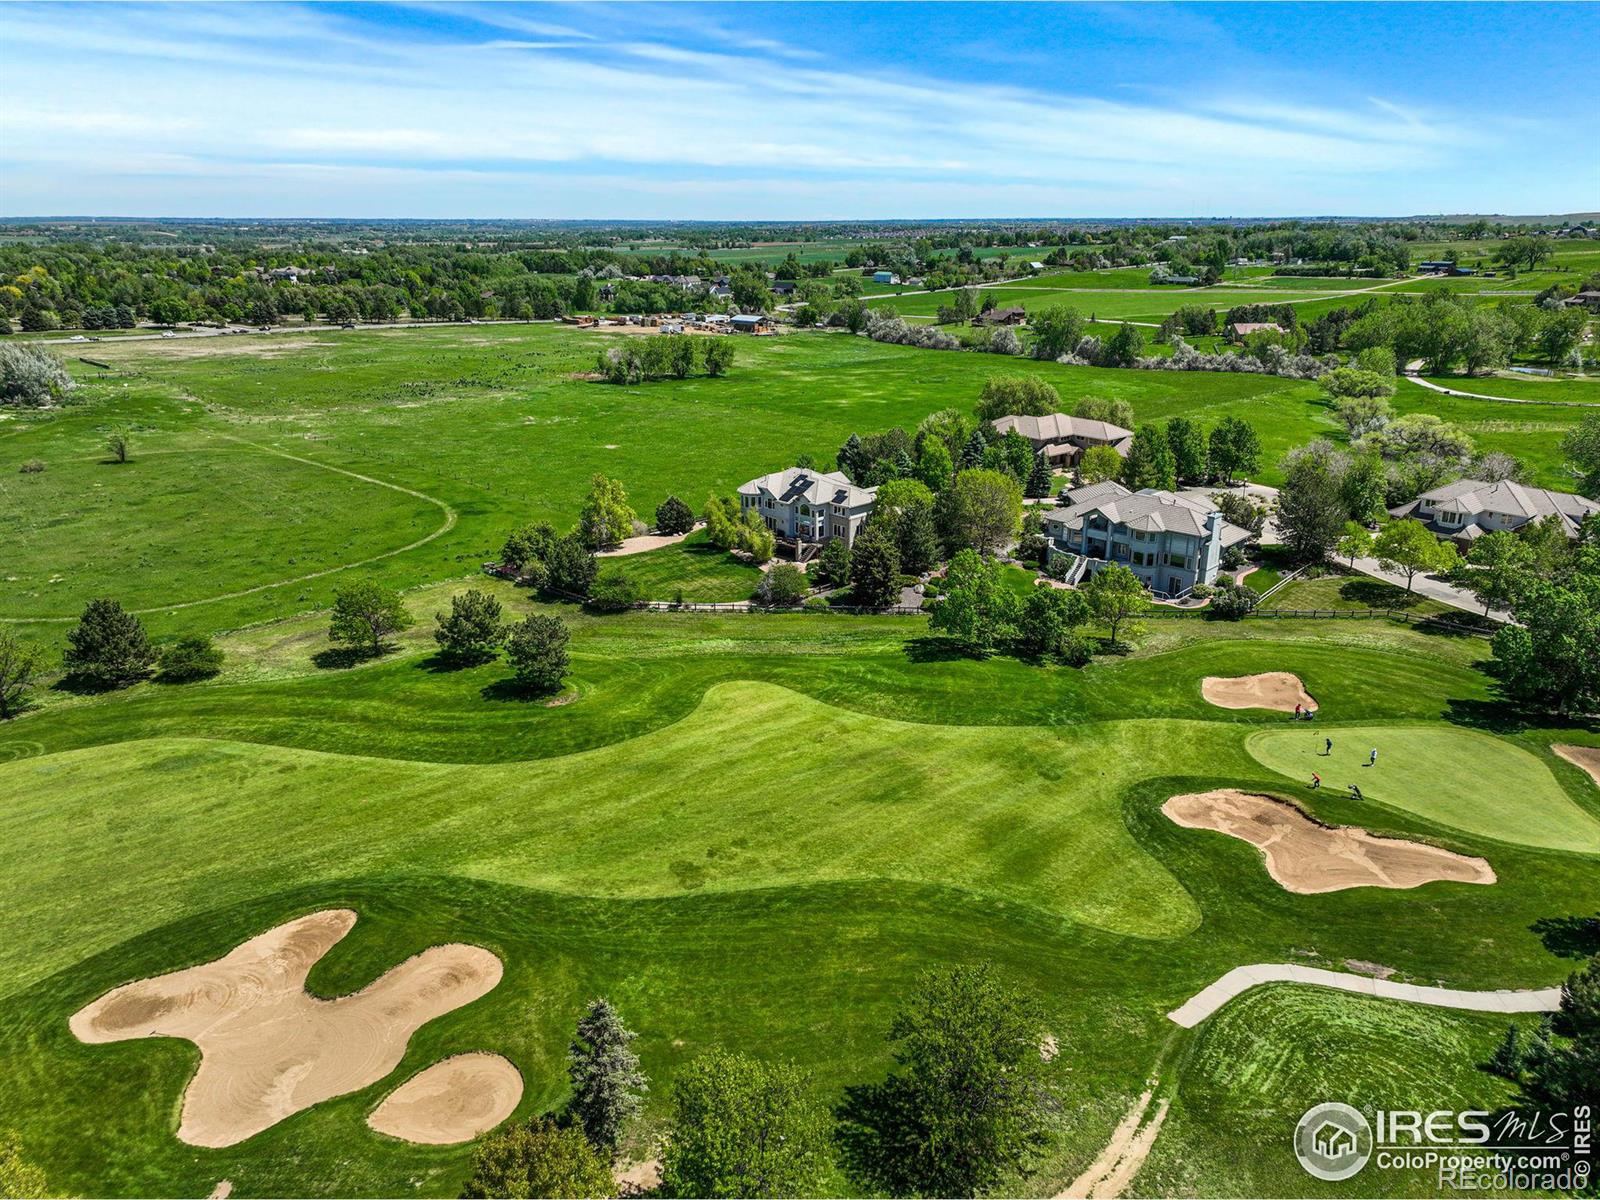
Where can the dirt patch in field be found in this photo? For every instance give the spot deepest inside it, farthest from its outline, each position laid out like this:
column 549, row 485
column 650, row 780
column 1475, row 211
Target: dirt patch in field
column 452, row 1101
column 268, row 1048
column 1308, row 857
column 638, row 1178
column 1585, row 758
column 1271, row 689
column 1117, row 1164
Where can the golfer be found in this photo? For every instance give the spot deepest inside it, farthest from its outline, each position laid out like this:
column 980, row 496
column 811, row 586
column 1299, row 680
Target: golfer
column 1316, row 780
column 1327, row 747
column 1356, row 792
column 1372, row 759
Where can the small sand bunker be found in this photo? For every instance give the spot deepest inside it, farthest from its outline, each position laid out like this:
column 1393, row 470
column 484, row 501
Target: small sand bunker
column 451, row 1101
column 1585, row 758
column 1272, row 689
column 1305, row 856
column 268, row 1048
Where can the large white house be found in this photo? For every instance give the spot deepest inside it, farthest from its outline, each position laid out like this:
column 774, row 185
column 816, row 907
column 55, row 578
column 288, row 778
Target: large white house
column 1171, row 542
column 1467, row 509
column 807, row 507
column 1064, row 438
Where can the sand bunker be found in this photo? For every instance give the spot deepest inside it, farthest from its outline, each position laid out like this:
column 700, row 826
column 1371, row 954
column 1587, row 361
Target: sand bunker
column 267, row 1047
column 451, row 1101
column 1585, row 758
column 1308, row 857
column 1272, row 689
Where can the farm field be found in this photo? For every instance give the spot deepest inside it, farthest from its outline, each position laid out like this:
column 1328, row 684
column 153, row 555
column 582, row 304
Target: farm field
column 747, row 830
column 785, row 910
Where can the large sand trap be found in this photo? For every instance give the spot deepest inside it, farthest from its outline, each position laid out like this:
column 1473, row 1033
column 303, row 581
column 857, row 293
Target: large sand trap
column 267, row 1047
column 451, row 1101
column 1586, row 758
column 1308, row 857
column 1272, row 689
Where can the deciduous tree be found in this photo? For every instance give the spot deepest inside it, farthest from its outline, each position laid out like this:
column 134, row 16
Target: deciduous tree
column 606, row 519
column 534, row 1159
column 365, row 613
column 20, row 665
column 1117, row 597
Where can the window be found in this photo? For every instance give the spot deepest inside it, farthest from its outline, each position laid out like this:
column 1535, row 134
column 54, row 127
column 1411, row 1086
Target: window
column 1138, row 535
column 1178, row 560
column 838, row 531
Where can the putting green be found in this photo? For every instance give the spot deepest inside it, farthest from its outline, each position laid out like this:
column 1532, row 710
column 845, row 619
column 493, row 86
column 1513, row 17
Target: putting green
column 1470, row 781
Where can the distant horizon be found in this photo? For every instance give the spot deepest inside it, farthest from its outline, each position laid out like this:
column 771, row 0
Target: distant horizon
column 1440, row 218
column 706, row 111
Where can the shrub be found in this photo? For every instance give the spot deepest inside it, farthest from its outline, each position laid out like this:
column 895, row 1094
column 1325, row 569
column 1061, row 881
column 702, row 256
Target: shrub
column 1233, row 602
column 614, row 590
column 31, row 376
column 537, row 1158
column 32, row 467
column 782, row 587
column 193, row 657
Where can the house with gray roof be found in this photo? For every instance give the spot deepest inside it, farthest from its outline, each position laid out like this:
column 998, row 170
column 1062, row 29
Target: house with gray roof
column 806, row 508
column 1171, row 542
column 1064, row 438
column 1467, row 509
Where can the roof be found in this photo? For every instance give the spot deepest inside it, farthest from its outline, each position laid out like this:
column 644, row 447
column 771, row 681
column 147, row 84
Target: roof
column 815, row 487
column 749, row 319
column 1150, row 510
column 1004, row 314
column 1257, row 327
column 1507, row 499
column 1060, row 427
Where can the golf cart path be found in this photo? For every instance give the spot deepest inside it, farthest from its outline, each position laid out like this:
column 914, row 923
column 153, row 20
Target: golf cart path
column 1416, row 365
column 1241, row 979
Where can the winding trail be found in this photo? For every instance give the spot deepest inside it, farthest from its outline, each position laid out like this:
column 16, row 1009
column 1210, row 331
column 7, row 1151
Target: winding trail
column 1115, row 1167
column 1412, row 367
column 1241, row 979
column 450, row 518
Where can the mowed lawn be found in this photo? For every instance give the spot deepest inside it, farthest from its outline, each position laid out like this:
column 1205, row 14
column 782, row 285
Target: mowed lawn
column 1471, row 781
column 694, row 570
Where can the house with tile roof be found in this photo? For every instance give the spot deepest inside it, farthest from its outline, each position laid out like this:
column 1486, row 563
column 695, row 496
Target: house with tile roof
column 806, row 508
column 1064, row 438
column 1170, row 541
column 1467, row 509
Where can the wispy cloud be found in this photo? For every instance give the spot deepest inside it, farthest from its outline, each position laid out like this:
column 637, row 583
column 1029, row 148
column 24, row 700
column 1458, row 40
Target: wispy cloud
column 586, row 105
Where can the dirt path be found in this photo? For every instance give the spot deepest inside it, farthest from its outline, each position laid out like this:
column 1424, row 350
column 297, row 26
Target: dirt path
column 646, row 541
column 1241, row 979
column 450, row 518
column 1116, row 1166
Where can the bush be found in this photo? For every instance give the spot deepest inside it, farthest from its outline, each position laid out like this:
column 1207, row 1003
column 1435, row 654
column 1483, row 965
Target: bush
column 1232, row 602
column 31, row 376
column 32, row 467
column 674, row 517
column 614, row 590
column 537, row 1158
column 783, row 586
column 193, row 657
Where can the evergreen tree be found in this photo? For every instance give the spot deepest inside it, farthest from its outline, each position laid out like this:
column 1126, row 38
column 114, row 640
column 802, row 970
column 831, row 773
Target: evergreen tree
column 833, row 567
column 1040, row 479
column 874, row 569
column 851, row 458
column 607, row 1086
column 1506, row 1061
column 673, row 516
column 537, row 648
column 1150, row 463
column 972, row 452
column 108, row 646
column 473, row 629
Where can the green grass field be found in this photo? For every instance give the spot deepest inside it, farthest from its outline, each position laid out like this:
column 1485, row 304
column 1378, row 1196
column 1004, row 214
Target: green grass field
column 751, row 830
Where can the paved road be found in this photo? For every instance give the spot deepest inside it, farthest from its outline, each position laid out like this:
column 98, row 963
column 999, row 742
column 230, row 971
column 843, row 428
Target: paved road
column 1241, row 979
column 1410, row 373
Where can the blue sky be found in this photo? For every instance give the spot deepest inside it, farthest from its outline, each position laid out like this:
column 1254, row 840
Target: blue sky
column 797, row 111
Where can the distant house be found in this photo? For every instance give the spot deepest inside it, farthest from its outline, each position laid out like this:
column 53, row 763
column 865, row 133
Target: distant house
column 1180, row 280
column 1036, row 266
column 1467, row 509
column 1240, row 330
column 753, row 323
column 1064, row 438
column 1444, row 267
column 722, row 291
column 1170, row 542
column 885, row 277
column 1001, row 316
column 1587, row 299
column 806, row 508
column 783, row 287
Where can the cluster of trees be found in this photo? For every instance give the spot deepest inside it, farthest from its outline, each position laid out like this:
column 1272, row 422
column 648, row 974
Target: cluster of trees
column 670, row 356
column 978, row 612
column 1162, row 456
column 1446, row 330
column 108, row 648
column 1558, row 1067
column 1550, row 658
column 969, row 1102
column 729, row 528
